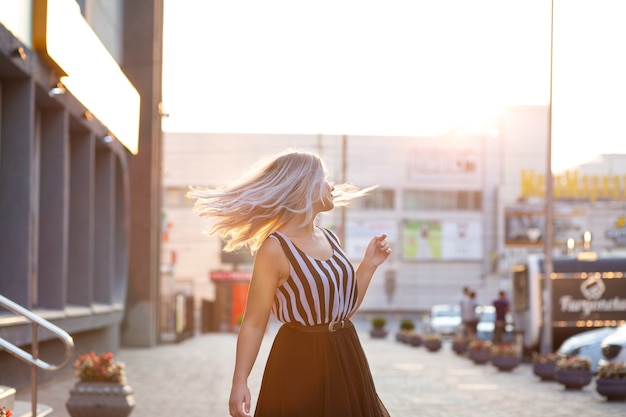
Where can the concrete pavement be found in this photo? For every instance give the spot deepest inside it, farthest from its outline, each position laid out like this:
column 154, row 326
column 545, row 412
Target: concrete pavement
column 193, row 379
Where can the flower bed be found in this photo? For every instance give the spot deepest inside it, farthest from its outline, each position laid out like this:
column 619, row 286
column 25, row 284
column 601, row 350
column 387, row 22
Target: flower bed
column 611, row 381
column 505, row 349
column 99, row 368
column 574, row 362
column 432, row 342
column 479, row 351
column 460, row 344
column 613, row 370
column 544, row 366
column 574, row 372
column 102, row 390
column 432, row 337
column 479, row 344
column 548, row 358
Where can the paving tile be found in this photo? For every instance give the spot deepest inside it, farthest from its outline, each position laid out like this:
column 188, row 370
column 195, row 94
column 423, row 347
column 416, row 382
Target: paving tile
column 192, row 378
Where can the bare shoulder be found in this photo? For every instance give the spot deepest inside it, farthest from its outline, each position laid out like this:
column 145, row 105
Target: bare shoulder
column 270, row 250
column 271, row 260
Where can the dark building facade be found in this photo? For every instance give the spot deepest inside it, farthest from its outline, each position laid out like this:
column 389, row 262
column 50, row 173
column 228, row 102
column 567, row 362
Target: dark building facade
column 80, row 160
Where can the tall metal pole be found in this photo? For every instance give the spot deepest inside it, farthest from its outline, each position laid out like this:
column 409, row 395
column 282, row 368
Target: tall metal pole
column 344, row 169
column 546, row 337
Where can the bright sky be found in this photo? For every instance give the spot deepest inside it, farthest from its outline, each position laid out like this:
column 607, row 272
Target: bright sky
column 390, row 67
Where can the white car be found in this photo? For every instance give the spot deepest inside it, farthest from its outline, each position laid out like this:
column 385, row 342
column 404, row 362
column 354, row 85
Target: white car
column 445, row 319
column 614, row 346
column 486, row 324
column 586, row 344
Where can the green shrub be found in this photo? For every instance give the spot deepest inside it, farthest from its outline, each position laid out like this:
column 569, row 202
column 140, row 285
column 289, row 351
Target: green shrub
column 379, row 322
column 407, row 324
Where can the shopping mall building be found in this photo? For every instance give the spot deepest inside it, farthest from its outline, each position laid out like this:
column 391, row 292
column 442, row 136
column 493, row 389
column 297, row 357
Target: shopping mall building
column 459, row 209
column 80, row 142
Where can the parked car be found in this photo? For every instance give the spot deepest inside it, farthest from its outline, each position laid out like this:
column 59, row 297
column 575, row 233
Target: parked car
column 613, row 346
column 486, row 324
column 484, row 329
column 587, row 343
column 445, row 319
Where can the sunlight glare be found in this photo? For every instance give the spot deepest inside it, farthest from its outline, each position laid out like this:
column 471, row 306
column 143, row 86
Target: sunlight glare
column 396, row 68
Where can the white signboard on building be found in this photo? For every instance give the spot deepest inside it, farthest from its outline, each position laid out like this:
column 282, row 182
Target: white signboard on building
column 359, row 233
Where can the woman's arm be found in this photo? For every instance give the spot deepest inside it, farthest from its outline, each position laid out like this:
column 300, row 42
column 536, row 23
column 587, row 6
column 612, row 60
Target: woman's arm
column 376, row 253
column 270, row 266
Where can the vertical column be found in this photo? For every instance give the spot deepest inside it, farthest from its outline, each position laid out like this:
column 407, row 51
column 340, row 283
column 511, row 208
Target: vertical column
column 122, row 221
column 53, row 209
column 104, row 226
column 17, row 145
column 81, row 225
column 143, row 29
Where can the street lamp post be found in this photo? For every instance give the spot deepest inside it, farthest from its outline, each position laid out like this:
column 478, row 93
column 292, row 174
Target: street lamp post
column 546, row 337
column 344, row 169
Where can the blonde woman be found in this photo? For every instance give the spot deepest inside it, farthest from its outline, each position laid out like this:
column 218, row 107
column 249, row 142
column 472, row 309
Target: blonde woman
column 316, row 367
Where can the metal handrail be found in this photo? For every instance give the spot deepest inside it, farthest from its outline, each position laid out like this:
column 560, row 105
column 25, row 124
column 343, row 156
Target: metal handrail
column 33, row 357
column 52, row 328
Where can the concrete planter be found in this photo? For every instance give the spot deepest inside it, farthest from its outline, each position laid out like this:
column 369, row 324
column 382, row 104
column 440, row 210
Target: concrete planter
column 460, row 347
column 505, row 363
column 378, row 333
column 479, row 356
column 544, row 370
column 574, row 379
column 415, row 340
column 100, row 399
column 614, row 389
column 432, row 345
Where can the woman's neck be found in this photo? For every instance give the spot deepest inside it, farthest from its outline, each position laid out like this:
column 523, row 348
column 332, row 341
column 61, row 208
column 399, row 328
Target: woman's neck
column 293, row 228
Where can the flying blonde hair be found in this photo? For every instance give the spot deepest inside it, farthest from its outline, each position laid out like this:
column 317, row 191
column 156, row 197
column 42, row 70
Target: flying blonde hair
column 245, row 212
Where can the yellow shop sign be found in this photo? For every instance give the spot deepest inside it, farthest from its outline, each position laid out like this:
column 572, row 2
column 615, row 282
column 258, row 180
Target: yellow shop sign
column 572, row 186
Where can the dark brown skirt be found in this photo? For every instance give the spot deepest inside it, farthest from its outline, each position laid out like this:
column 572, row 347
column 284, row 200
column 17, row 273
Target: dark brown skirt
column 318, row 374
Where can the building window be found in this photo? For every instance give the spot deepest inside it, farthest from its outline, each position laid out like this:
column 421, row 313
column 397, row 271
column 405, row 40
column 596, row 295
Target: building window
column 174, row 197
column 464, row 200
column 477, row 198
column 442, row 200
column 377, row 199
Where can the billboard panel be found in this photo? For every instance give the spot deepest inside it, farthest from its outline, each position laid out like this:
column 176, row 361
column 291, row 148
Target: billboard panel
column 442, row 239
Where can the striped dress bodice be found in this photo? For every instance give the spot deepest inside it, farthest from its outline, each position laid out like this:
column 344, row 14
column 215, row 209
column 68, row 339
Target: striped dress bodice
column 317, row 291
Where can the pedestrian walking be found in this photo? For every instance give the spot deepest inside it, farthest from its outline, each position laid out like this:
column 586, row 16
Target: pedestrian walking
column 471, row 315
column 501, row 305
column 316, row 366
column 465, row 308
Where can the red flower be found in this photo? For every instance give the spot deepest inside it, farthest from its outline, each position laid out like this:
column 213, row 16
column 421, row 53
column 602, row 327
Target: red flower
column 98, row 368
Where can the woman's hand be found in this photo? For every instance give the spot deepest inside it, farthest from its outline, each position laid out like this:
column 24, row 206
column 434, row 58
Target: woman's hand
column 239, row 402
column 377, row 251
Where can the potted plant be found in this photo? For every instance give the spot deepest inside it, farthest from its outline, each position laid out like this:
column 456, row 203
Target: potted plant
column 5, row 412
column 479, row 351
column 544, row 366
column 432, row 342
column 378, row 327
column 505, row 356
column 406, row 327
column 460, row 344
column 414, row 338
column 573, row 372
column 611, row 381
column 101, row 390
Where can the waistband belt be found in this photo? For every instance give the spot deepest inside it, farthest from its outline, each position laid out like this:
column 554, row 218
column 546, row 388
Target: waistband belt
column 333, row 326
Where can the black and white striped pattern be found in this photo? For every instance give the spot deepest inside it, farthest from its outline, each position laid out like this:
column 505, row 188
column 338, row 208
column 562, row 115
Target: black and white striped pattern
column 317, row 291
